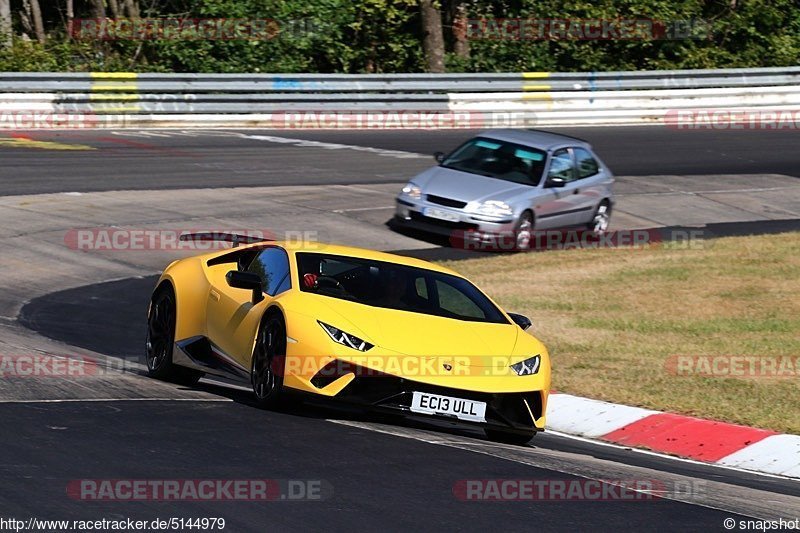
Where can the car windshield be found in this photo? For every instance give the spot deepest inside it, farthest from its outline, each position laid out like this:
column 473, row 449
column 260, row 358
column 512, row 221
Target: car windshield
column 498, row 159
column 393, row 286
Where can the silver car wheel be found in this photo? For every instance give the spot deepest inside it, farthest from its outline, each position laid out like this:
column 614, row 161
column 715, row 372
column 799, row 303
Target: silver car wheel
column 524, row 230
column 601, row 219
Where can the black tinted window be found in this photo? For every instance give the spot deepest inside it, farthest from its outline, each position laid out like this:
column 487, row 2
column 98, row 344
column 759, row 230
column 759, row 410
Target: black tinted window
column 405, row 288
column 498, row 159
column 272, row 264
column 587, row 165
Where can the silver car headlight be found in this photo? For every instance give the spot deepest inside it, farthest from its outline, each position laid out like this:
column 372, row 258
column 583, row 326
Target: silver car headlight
column 412, row 190
column 344, row 338
column 494, row 208
column 528, row 367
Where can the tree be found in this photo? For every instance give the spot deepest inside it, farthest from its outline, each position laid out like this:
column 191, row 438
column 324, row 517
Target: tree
column 98, row 9
column 432, row 39
column 132, row 8
column 354, row 36
column 113, row 6
column 70, row 15
column 32, row 14
column 5, row 23
column 459, row 25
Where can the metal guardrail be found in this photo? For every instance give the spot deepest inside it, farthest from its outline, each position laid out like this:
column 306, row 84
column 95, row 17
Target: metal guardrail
column 524, row 98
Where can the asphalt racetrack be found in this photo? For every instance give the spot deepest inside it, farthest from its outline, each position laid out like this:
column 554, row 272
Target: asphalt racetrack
column 380, row 477
column 170, row 160
column 375, row 472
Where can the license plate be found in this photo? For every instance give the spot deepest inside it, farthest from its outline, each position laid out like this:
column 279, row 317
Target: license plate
column 434, row 404
column 441, row 214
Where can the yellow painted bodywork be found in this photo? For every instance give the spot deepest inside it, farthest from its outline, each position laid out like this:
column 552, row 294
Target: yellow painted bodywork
column 410, row 345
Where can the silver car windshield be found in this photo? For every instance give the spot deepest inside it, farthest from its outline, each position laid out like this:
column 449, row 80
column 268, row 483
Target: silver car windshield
column 498, row 159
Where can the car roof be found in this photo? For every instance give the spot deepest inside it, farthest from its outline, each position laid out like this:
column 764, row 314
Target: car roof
column 544, row 140
column 353, row 251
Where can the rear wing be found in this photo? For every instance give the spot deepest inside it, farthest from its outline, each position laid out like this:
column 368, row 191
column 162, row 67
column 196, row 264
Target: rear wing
column 234, row 238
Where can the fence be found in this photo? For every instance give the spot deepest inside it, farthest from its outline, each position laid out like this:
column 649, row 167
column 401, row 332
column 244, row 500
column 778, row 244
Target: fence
column 469, row 100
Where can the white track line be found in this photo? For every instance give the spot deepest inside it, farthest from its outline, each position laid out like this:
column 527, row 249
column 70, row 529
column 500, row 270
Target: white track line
column 398, row 432
column 363, row 209
column 455, row 444
column 80, row 400
column 400, row 154
column 665, row 456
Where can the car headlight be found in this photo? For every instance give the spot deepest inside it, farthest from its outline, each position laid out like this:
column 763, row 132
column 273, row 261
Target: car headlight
column 494, row 208
column 528, row 367
column 344, row 338
column 412, row 190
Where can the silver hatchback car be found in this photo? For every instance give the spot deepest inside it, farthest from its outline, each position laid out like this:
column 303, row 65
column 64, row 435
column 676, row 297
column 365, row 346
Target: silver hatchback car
column 508, row 183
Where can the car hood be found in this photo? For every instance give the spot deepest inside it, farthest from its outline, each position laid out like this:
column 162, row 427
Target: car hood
column 423, row 335
column 465, row 186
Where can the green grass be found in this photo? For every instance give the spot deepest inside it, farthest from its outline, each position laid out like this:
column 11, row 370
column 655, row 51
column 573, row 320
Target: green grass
column 612, row 318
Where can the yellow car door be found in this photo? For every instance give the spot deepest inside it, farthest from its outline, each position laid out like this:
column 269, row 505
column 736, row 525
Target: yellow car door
column 234, row 314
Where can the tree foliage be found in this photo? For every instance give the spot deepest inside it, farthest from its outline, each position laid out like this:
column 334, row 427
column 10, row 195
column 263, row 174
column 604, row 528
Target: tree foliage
column 355, row 36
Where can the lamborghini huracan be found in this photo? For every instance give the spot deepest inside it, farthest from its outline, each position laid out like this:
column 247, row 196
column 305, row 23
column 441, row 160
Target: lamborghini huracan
column 390, row 333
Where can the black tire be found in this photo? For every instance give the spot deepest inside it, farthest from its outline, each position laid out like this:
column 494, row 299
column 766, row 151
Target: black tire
column 523, row 231
column 160, row 339
column 508, row 437
column 601, row 219
column 269, row 357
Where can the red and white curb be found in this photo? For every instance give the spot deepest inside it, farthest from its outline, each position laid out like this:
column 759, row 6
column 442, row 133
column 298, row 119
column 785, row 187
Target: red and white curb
column 709, row 441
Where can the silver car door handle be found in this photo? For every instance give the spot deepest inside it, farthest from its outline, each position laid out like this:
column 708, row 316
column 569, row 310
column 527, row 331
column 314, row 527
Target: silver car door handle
column 576, row 191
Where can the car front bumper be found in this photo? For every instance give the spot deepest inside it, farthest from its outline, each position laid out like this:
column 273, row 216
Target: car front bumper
column 520, row 412
column 463, row 226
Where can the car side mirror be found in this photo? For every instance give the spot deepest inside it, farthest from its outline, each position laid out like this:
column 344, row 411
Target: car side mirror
column 555, row 182
column 439, row 157
column 247, row 281
column 521, row 320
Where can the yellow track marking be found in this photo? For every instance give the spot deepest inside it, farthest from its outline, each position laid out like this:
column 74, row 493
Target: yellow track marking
column 536, row 87
column 112, row 97
column 537, row 96
column 25, row 142
column 113, row 75
column 123, row 86
column 112, row 90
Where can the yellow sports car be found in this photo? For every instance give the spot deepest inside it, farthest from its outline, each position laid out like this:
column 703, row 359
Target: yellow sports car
column 390, row 333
